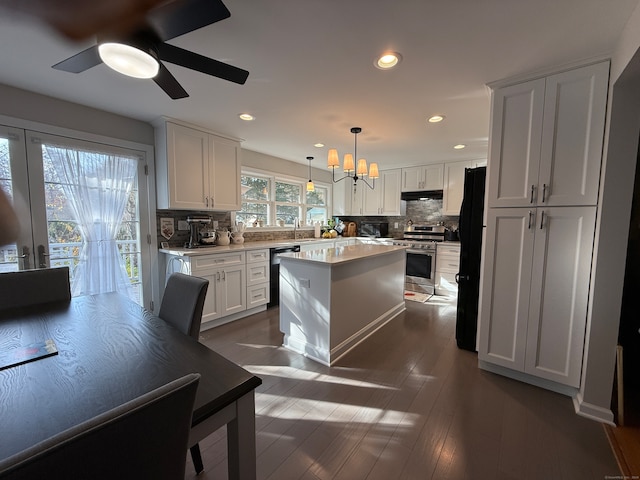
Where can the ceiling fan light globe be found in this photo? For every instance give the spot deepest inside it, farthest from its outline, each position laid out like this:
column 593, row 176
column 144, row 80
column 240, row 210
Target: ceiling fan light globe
column 128, row 60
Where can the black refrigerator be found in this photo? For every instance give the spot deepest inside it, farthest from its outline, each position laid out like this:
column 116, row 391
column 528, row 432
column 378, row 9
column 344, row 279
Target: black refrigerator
column 470, row 231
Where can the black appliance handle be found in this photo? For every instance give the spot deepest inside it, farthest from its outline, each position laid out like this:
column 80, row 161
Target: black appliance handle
column 461, row 276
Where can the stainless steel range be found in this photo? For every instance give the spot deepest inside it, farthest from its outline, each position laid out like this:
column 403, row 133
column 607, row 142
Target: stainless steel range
column 421, row 256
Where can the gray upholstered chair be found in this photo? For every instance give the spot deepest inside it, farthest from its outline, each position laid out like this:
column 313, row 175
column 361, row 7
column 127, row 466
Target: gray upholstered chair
column 143, row 438
column 34, row 287
column 181, row 306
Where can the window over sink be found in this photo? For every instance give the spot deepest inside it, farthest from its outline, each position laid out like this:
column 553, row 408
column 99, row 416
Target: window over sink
column 277, row 201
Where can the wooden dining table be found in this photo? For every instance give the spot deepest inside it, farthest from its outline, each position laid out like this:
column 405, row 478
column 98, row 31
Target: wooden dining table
column 111, row 350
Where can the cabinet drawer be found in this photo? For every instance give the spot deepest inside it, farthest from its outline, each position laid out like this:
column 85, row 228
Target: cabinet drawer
column 257, row 273
column 215, row 261
column 444, row 249
column 257, row 295
column 254, row 256
column 446, row 284
column 447, row 263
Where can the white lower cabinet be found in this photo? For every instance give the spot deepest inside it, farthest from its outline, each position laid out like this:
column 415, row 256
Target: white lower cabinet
column 226, row 294
column 535, row 290
column 257, row 278
column 447, row 266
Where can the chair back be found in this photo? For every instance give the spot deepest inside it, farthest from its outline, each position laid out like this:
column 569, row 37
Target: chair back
column 183, row 301
column 143, row 438
column 34, row 287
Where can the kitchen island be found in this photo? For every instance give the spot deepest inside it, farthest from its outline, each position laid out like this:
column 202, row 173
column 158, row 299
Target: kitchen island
column 333, row 299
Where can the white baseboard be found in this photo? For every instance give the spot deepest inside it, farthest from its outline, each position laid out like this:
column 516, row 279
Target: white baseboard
column 593, row 412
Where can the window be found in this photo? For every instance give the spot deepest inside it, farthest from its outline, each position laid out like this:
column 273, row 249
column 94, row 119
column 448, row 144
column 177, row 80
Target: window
column 279, row 201
column 81, row 203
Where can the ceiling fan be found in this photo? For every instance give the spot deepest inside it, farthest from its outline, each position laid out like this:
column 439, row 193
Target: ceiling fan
column 140, row 53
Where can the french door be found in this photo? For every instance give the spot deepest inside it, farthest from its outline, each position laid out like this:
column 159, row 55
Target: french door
column 53, row 233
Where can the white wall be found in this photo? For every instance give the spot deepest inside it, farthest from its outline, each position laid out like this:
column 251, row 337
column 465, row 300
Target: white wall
column 616, row 192
column 262, row 161
column 22, row 104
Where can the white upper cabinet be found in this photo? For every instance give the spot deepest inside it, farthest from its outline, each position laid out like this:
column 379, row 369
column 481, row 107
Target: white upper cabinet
column 424, row 177
column 454, row 186
column 546, row 139
column 384, row 199
column 196, row 170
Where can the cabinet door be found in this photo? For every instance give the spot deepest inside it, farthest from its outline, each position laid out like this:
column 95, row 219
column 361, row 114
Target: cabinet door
column 434, row 177
column 506, row 283
column 453, row 187
column 390, row 195
column 211, row 309
column 371, row 197
column 412, row 179
column 357, row 197
column 514, row 151
column 225, row 174
column 572, row 136
column 559, row 293
column 342, row 198
column 188, row 167
column 233, row 290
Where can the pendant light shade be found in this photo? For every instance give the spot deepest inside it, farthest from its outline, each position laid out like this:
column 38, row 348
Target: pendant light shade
column 310, row 186
column 349, row 166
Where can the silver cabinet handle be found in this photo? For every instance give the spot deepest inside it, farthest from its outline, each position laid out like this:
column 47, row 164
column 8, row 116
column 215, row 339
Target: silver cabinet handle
column 218, row 274
column 530, row 219
column 533, row 191
column 542, row 220
column 544, row 191
column 224, row 275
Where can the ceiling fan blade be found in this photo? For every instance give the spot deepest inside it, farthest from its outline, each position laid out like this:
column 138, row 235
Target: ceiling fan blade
column 80, row 61
column 169, row 84
column 200, row 63
column 178, row 17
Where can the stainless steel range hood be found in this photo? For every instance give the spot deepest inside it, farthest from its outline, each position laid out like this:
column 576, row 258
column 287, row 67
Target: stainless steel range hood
column 422, row 195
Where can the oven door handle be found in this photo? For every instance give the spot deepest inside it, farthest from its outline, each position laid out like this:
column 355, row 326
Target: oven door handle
column 419, row 251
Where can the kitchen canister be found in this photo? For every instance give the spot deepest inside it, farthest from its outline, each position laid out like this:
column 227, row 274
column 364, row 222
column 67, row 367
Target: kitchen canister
column 316, row 230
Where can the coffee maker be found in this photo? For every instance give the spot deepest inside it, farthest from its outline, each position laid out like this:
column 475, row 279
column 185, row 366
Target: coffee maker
column 196, row 222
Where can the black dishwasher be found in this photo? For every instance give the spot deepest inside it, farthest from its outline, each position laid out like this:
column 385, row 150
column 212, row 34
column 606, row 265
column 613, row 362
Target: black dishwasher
column 274, row 296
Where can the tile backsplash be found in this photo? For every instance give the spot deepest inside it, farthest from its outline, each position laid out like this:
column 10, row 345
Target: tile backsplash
column 419, row 211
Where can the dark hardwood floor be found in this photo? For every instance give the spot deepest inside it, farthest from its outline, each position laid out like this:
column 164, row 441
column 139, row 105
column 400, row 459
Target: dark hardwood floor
column 407, row 403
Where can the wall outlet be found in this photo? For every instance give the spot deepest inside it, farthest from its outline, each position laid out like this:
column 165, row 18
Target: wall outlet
column 396, row 225
column 215, row 224
column 183, row 225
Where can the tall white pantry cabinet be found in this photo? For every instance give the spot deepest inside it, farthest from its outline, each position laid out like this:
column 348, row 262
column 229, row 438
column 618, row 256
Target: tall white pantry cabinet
column 544, row 168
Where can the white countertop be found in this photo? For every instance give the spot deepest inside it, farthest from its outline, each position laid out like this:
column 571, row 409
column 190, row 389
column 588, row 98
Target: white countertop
column 215, row 249
column 340, row 255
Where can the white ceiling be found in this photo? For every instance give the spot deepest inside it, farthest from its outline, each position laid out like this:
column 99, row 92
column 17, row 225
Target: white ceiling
column 312, row 75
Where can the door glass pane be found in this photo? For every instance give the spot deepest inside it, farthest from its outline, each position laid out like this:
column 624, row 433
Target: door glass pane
column 86, row 212
column 8, row 253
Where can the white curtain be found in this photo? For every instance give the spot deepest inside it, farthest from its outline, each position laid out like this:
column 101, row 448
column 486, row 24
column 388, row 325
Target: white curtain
column 97, row 185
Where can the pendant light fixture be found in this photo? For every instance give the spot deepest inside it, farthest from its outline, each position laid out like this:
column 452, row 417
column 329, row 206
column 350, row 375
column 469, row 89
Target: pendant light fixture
column 310, row 186
column 349, row 166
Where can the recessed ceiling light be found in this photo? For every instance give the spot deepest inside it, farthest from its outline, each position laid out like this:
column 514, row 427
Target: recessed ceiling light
column 388, row 60
column 436, row 118
column 318, row 145
column 460, row 146
column 246, row 117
